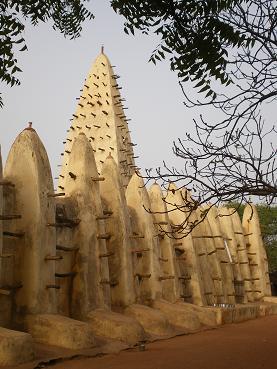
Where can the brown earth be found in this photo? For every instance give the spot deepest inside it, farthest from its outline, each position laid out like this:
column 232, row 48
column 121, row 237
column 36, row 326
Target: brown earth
column 248, row 345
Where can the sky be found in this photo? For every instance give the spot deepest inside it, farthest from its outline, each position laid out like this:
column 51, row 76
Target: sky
column 54, row 69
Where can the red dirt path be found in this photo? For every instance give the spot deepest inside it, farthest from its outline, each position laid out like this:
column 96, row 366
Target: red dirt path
column 248, row 345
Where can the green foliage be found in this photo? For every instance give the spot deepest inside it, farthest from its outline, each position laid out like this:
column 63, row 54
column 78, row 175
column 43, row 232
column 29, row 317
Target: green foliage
column 67, row 17
column 268, row 222
column 194, row 34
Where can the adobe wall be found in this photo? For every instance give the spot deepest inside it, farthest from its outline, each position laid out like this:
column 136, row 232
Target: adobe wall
column 105, row 256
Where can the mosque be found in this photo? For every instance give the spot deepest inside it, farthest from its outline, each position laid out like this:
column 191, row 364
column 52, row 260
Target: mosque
column 86, row 263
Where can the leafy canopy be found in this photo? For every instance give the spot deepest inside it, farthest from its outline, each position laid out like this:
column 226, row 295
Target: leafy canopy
column 194, row 34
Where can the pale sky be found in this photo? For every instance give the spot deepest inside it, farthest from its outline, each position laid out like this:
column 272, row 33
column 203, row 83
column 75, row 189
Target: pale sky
column 54, row 69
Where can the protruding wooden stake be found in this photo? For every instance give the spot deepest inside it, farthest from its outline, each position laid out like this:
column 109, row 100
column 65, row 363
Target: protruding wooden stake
column 98, row 179
column 107, row 212
column 161, row 223
column 58, row 194
column 162, row 278
column 106, row 255
column 6, row 183
column 103, row 217
column 66, row 249
column 142, row 276
column 70, row 223
column 13, row 234
column 53, row 257
column 9, row 217
column 4, row 292
column 72, row 175
column 186, row 296
column 6, row 256
column 139, row 251
column 111, row 283
column 164, row 260
column 185, row 277
column 65, row 275
column 55, row 286
column 105, row 236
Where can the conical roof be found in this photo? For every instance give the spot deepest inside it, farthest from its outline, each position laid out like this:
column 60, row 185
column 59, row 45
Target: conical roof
column 100, row 116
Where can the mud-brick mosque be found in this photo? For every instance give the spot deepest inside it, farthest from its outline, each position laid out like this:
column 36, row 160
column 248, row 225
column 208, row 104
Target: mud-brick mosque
column 85, row 266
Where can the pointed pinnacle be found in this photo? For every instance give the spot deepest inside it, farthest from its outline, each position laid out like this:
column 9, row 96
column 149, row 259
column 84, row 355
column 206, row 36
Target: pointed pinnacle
column 30, row 128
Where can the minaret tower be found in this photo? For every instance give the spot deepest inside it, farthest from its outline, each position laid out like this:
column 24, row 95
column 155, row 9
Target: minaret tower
column 100, row 114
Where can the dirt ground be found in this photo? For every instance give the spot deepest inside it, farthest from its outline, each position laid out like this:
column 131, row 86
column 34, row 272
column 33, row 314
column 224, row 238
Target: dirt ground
column 248, row 345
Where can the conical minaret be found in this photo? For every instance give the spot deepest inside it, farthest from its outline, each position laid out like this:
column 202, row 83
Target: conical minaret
column 100, row 115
